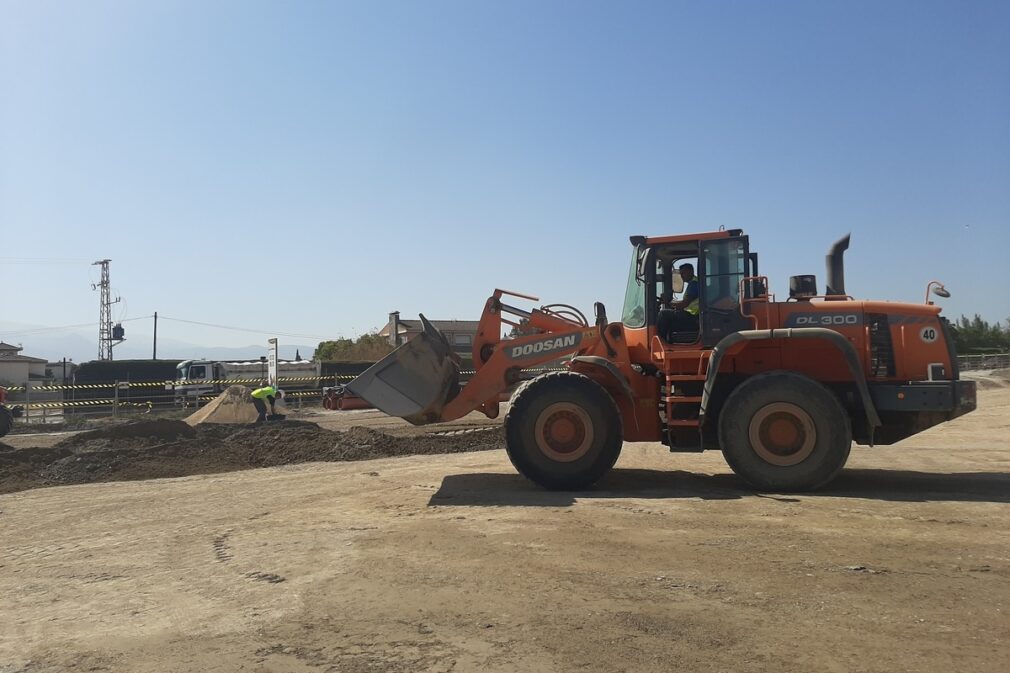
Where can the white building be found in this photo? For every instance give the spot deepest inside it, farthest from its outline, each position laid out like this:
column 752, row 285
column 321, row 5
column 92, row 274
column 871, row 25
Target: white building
column 16, row 369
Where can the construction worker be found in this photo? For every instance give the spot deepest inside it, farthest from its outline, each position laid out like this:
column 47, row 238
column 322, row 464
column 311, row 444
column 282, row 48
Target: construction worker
column 268, row 393
column 689, row 303
column 681, row 316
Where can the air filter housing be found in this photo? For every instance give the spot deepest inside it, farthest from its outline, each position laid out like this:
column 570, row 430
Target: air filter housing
column 803, row 287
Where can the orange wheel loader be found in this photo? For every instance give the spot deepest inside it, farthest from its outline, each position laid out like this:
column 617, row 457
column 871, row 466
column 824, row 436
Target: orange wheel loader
column 782, row 388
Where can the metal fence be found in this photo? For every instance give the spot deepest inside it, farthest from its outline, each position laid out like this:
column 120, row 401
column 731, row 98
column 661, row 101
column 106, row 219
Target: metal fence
column 975, row 362
column 51, row 403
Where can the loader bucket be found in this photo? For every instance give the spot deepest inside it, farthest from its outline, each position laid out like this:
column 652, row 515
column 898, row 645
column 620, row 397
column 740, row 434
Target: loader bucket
column 415, row 381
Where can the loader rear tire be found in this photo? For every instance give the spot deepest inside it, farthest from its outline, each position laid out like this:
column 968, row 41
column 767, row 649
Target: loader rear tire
column 783, row 431
column 6, row 421
column 563, row 431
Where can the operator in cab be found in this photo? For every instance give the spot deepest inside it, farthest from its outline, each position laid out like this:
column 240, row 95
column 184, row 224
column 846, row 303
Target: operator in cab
column 681, row 316
column 270, row 394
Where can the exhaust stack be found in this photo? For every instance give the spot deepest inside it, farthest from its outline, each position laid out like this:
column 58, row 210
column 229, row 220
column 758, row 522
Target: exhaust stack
column 836, row 267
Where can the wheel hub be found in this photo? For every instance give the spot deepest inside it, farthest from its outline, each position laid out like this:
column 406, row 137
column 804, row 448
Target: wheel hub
column 782, row 434
column 564, row 432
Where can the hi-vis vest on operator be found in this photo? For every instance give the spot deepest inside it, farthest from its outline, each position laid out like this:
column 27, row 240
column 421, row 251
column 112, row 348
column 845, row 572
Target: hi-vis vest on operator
column 693, row 308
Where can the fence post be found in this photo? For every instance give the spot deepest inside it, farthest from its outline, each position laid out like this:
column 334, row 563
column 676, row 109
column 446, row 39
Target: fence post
column 115, row 400
column 28, row 400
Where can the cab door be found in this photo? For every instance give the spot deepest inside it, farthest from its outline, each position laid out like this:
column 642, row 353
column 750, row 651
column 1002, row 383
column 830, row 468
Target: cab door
column 723, row 266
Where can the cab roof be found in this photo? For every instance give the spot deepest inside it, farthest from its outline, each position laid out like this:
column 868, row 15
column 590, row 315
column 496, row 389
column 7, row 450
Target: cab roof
column 686, row 238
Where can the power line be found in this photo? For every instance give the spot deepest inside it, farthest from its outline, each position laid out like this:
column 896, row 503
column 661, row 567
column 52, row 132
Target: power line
column 247, row 329
column 42, row 260
column 40, row 330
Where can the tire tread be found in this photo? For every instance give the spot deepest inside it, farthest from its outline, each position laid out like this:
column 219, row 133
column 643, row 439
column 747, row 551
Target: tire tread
column 524, row 397
column 830, row 417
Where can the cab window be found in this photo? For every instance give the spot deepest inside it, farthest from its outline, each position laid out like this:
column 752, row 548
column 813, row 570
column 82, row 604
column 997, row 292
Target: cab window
column 633, row 314
column 725, row 267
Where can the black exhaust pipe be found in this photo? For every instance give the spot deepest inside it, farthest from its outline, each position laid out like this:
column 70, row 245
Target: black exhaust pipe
column 836, row 267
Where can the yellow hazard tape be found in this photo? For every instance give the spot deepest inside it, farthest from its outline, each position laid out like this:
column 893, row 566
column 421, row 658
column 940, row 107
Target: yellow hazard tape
column 307, row 393
column 59, row 405
column 176, row 384
column 80, row 386
column 215, row 382
column 87, row 403
column 168, row 384
column 208, row 398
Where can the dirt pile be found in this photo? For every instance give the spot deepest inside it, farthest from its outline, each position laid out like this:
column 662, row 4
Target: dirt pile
column 155, row 431
column 166, row 448
column 234, row 405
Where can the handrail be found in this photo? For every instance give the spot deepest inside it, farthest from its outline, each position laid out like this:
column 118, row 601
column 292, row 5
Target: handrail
column 767, row 299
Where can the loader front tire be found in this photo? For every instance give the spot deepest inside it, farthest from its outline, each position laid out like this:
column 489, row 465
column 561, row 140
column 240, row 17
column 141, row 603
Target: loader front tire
column 563, row 431
column 782, row 431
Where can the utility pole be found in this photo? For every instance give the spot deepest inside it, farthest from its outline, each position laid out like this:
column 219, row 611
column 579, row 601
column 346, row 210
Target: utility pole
column 105, row 311
column 155, row 355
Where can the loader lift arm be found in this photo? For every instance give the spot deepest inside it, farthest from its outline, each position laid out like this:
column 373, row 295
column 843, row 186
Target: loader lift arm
column 499, row 363
column 419, row 380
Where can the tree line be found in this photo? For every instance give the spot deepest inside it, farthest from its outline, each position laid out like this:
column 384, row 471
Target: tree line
column 976, row 335
column 366, row 348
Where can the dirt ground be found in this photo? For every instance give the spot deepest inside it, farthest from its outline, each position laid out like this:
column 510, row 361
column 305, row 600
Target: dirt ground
column 454, row 563
column 161, row 448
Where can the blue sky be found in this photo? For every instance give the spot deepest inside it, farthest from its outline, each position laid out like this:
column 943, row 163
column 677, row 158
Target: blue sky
column 307, row 167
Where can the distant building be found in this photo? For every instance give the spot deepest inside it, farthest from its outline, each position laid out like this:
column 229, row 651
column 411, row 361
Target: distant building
column 61, row 372
column 460, row 333
column 16, row 369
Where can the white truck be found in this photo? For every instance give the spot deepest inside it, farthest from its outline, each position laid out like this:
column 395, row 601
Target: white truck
column 195, row 378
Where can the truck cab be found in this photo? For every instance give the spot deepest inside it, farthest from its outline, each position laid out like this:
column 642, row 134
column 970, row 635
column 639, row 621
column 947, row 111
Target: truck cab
column 198, row 378
column 193, row 379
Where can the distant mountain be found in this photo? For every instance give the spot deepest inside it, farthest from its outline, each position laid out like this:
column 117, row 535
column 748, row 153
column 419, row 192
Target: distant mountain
column 53, row 345
column 75, row 346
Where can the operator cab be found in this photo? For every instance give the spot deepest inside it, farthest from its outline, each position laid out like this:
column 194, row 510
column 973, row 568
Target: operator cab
column 659, row 296
column 677, row 294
